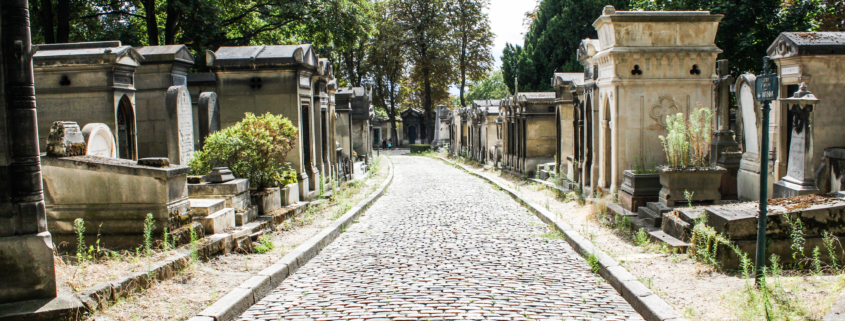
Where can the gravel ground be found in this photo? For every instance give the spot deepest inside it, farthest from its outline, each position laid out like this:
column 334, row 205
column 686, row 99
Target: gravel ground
column 442, row 244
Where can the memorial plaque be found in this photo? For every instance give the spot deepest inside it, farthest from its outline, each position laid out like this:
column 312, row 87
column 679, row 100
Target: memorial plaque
column 767, row 87
column 100, row 140
column 180, row 128
column 209, row 116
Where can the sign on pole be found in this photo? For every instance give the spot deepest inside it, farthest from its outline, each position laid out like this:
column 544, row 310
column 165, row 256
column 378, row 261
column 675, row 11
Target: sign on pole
column 767, row 91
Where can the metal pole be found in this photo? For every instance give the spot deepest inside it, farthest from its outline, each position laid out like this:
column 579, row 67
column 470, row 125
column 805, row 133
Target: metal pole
column 760, row 262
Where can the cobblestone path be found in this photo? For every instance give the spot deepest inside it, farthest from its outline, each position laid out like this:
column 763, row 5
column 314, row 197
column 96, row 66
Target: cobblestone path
column 444, row 245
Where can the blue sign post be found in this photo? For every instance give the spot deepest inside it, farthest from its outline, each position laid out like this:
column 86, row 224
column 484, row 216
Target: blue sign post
column 767, row 90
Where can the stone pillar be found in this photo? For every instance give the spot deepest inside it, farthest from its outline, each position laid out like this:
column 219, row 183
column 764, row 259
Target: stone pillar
column 800, row 176
column 26, row 248
column 724, row 150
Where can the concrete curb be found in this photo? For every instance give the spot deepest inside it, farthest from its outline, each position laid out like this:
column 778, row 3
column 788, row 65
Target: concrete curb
column 646, row 303
column 256, row 288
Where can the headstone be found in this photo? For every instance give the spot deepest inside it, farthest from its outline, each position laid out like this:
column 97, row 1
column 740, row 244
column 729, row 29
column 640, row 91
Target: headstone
column 723, row 139
column 800, row 176
column 209, row 115
column 65, row 140
column 99, row 139
column 748, row 176
column 180, row 129
column 220, row 175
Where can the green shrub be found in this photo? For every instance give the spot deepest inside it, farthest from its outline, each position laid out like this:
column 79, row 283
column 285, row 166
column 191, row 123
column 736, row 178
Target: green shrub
column 419, row 148
column 255, row 148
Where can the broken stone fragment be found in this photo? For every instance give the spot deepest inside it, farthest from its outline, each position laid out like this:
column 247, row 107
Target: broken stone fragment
column 154, row 161
column 65, row 140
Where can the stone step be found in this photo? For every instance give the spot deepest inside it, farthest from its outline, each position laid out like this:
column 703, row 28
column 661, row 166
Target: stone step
column 650, row 218
column 206, row 206
column 244, row 217
column 659, row 208
column 660, row 236
column 218, row 221
column 676, row 227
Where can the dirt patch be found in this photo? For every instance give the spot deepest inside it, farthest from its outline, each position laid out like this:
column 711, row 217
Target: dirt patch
column 797, row 203
column 203, row 283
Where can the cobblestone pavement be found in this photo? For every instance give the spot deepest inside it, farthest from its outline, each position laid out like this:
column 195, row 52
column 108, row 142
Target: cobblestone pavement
column 444, row 245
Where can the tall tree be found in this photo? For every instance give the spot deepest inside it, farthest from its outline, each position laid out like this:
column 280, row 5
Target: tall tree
column 386, row 58
column 426, row 35
column 473, row 39
column 491, row 87
column 556, row 28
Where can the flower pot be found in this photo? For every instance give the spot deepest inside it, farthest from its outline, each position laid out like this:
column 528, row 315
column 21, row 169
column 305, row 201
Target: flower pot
column 638, row 189
column 267, row 200
column 703, row 183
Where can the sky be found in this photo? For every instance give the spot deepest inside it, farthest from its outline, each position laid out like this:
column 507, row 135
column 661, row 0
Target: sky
column 506, row 17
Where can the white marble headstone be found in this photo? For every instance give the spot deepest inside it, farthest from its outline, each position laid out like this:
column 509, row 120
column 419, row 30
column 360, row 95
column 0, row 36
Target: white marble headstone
column 180, row 127
column 747, row 104
column 100, row 140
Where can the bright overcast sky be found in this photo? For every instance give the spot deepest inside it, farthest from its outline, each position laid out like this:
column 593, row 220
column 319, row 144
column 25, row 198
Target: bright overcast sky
column 506, row 18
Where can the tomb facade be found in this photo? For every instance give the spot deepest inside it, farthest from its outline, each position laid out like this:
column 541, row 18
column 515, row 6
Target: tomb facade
column 569, row 124
column 485, row 132
column 817, row 59
column 162, row 68
column 413, row 120
column 343, row 131
column 529, row 131
column 282, row 80
column 89, row 82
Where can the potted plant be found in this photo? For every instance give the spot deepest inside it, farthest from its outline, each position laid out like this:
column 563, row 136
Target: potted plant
column 640, row 185
column 255, row 148
column 687, row 145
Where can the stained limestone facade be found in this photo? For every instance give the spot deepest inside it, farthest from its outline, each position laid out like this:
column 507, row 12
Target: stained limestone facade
column 648, row 65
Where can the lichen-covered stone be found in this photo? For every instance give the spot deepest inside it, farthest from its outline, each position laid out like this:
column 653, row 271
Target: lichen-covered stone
column 65, row 140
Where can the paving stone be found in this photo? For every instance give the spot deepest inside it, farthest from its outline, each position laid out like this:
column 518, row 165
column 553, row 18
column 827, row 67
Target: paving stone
column 442, row 244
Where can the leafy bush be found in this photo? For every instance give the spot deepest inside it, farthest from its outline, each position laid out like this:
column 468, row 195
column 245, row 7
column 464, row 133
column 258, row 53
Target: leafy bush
column 255, row 148
column 419, row 148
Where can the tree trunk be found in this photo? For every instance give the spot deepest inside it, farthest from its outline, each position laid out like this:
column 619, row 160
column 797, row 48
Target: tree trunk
column 47, row 30
column 171, row 23
column 429, row 120
column 463, row 66
column 152, row 23
column 63, row 22
column 392, row 115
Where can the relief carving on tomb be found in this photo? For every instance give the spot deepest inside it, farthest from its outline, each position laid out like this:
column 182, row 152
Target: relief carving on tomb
column 784, row 48
column 666, row 106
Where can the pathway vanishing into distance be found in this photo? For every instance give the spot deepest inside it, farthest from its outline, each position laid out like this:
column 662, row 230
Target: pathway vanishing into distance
column 442, row 244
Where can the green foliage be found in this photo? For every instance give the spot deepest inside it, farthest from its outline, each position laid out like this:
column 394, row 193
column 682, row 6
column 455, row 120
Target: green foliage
column 641, row 238
column 255, row 148
column 420, row 148
column 829, row 241
column 641, row 167
column 796, row 232
column 675, row 143
column 556, row 30
column 749, row 26
column 687, row 143
column 700, row 135
column 593, row 261
column 149, row 226
column 264, row 244
column 688, row 197
column 79, row 228
column 194, row 245
column 491, row 87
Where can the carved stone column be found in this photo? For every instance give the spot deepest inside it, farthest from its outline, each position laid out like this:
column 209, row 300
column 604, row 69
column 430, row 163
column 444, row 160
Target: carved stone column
column 26, row 248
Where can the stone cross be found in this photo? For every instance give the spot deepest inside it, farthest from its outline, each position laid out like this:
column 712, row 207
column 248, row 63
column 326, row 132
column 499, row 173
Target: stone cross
column 723, row 94
column 180, row 127
column 209, row 115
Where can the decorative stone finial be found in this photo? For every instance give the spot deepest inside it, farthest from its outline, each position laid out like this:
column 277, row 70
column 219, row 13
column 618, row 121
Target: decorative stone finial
column 802, row 91
column 608, row 10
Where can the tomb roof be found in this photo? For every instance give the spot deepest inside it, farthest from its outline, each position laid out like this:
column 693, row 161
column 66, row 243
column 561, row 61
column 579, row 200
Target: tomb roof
column 201, row 77
column 412, row 112
column 98, row 52
column 565, row 78
column 166, row 53
column 264, row 56
column 486, row 103
column 790, row 44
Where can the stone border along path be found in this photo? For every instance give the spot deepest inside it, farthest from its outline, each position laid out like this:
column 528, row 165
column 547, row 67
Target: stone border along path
column 444, row 245
column 262, row 283
column 648, row 304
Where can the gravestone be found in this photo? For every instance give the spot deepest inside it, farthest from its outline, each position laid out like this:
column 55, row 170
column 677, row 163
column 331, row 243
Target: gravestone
column 800, row 176
column 99, row 139
column 65, row 139
column 209, row 116
column 748, row 176
column 180, row 127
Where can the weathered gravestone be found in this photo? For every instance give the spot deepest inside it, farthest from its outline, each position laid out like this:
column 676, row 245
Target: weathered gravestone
column 800, row 177
column 209, row 116
column 99, row 139
column 65, row 139
column 748, row 176
column 180, row 128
